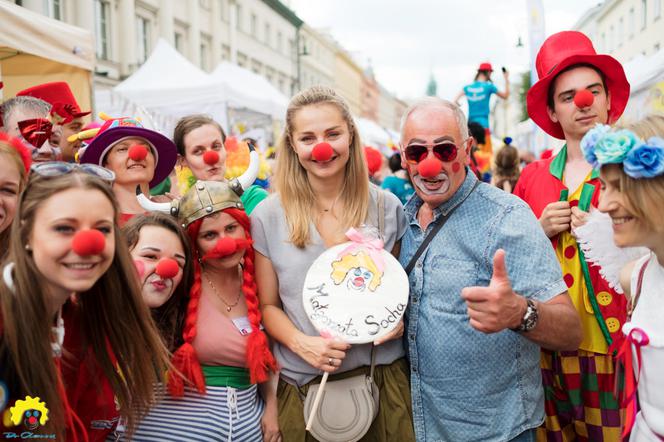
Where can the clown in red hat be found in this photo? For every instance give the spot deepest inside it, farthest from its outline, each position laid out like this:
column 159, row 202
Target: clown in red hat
column 478, row 94
column 577, row 89
column 66, row 114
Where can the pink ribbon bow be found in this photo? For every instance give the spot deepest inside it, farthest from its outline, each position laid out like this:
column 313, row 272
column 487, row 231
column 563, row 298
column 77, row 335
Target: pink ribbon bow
column 638, row 338
column 361, row 242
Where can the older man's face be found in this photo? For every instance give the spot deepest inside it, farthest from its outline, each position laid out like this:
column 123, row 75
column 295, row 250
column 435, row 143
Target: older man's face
column 11, row 123
column 430, row 127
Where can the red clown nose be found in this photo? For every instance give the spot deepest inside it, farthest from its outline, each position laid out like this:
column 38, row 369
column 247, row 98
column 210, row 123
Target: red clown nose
column 322, row 152
column 167, row 268
column 225, row 246
column 137, row 152
column 88, row 242
column 583, row 98
column 429, row 168
column 211, row 157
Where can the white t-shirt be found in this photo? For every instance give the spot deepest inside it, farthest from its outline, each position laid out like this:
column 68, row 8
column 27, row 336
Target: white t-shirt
column 649, row 317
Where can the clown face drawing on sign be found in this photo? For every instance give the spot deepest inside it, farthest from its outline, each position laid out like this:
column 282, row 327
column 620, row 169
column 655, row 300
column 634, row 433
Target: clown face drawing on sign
column 356, row 272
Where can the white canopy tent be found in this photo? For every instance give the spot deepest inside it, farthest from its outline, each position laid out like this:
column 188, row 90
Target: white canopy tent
column 246, row 89
column 35, row 49
column 165, row 88
column 168, row 86
column 374, row 135
column 646, row 78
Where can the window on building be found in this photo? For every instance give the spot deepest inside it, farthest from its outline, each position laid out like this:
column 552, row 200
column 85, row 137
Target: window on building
column 204, row 57
column 223, row 10
column 241, row 59
column 102, row 29
column 143, row 38
column 644, row 13
column 240, row 26
column 256, row 66
column 253, row 28
column 280, row 46
column 656, row 48
column 603, row 43
column 657, row 9
column 632, row 23
column 178, row 39
column 225, row 52
column 54, row 9
column 621, row 32
column 267, row 34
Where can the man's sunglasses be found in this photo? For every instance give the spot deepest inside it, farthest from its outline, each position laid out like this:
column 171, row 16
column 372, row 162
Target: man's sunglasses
column 445, row 152
column 58, row 168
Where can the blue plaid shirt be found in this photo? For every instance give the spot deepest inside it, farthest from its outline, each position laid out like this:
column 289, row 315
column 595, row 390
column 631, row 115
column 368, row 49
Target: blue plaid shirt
column 467, row 385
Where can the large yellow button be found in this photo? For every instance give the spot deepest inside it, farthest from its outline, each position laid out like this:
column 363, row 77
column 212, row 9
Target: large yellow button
column 613, row 324
column 604, row 298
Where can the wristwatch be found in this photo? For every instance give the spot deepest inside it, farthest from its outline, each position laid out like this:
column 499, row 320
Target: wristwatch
column 529, row 320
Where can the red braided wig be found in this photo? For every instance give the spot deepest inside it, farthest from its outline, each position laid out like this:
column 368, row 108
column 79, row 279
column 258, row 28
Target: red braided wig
column 185, row 359
column 260, row 360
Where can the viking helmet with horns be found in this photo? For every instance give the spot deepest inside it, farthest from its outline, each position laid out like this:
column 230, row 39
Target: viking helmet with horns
column 206, row 197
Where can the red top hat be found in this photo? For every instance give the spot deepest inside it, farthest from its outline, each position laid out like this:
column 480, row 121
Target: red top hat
column 59, row 96
column 560, row 51
column 486, row 66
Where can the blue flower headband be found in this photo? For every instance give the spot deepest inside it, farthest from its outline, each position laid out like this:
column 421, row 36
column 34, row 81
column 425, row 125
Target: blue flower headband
column 602, row 145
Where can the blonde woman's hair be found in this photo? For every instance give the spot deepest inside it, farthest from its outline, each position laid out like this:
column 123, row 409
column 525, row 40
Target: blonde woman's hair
column 645, row 196
column 292, row 183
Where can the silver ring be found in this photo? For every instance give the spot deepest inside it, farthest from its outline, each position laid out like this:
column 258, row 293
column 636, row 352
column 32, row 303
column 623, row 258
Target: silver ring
column 329, row 361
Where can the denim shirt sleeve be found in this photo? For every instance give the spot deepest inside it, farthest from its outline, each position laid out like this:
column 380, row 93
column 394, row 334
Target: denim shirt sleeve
column 531, row 261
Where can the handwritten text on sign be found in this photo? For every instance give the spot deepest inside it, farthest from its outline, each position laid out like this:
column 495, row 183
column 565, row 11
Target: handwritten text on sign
column 350, row 297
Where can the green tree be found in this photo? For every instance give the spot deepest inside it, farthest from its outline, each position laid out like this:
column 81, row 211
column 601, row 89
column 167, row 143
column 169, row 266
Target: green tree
column 432, row 87
column 523, row 91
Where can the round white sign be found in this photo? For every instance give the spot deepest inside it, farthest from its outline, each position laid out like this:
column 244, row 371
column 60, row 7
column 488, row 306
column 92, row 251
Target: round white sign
column 355, row 292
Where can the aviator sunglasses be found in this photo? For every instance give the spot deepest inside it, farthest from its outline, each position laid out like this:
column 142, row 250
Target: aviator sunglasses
column 445, row 151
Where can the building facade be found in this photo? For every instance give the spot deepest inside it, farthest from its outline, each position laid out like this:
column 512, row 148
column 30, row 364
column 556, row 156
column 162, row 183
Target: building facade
column 260, row 35
column 317, row 58
column 625, row 28
column 370, row 96
column 264, row 36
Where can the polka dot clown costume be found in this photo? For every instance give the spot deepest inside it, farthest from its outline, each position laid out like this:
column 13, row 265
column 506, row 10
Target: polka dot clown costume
column 579, row 385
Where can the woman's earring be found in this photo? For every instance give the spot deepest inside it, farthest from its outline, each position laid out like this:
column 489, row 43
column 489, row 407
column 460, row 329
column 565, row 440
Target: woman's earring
column 7, row 276
column 28, row 248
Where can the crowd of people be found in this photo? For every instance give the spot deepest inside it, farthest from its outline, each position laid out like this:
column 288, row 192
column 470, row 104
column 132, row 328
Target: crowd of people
column 129, row 316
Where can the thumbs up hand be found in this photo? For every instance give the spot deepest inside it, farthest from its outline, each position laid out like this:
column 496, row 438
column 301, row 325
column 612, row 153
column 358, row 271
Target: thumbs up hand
column 496, row 307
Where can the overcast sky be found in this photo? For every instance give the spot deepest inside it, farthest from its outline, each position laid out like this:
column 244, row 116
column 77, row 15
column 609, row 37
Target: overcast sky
column 407, row 40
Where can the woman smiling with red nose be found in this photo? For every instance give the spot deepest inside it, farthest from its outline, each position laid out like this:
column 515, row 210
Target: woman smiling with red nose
column 223, row 392
column 323, row 190
column 200, row 141
column 139, row 157
column 162, row 256
column 631, row 163
column 67, row 269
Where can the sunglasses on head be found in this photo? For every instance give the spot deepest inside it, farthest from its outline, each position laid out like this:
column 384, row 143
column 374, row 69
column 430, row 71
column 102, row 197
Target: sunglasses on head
column 446, row 152
column 58, row 168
